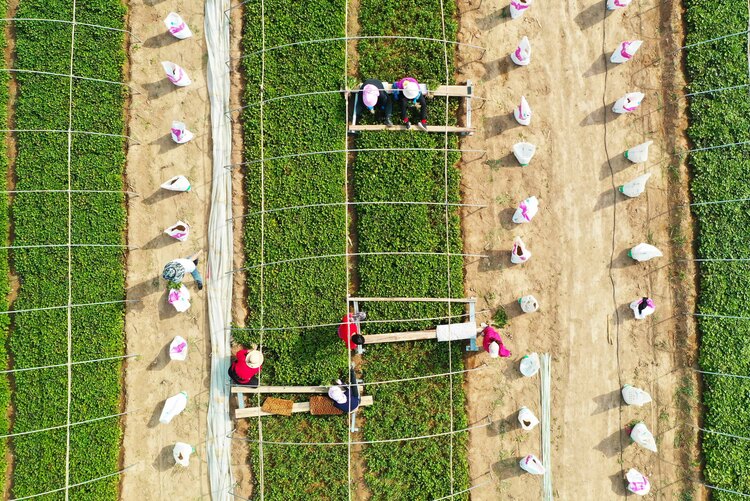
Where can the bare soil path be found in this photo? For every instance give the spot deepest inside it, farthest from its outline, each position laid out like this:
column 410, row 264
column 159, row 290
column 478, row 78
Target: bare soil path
column 580, row 271
column 153, row 323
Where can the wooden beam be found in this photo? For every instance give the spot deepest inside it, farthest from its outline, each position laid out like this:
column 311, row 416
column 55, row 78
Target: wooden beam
column 297, row 407
column 395, row 337
column 417, row 299
column 430, row 128
column 280, row 389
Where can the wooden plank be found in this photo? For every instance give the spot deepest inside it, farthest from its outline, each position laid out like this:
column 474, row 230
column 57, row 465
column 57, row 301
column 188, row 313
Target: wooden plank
column 452, row 91
column 395, row 337
column 297, row 407
column 430, row 128
column 280, row 389
column 416, row 299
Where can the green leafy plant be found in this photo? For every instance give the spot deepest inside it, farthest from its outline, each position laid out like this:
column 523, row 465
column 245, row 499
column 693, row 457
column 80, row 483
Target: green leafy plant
column 500, row 318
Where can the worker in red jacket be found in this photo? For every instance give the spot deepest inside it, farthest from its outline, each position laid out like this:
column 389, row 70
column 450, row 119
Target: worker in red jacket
column 493, row 343
column 348, row 331
column 247, row 366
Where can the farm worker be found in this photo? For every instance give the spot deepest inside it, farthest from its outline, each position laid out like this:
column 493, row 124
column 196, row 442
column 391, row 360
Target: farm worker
column 493, row 343
column 638, row 483
column 175, row 270
column 625, row 51
column 522, row 55
column 373, row 96
column 526, row 211
column 410, row 96
column 617, row 4
column 247, row 366
column 629, row 102
column 522, row 113
column 345, row 399
column 519, row 254
column 348, row 331
column 635, row 187
column 643, row 307
column 518, row 7
column 532, row 465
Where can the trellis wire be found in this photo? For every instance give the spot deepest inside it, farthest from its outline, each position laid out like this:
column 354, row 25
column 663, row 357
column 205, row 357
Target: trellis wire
column 381, row 441
column 337, row 204
column 359, row 37
column 724, row 374
column 463, row 491
column 46, row 308
column 728, row 145
column 72, row 132
column 720, row 260
column 49, row 73
column 68, row 487
column 710, row 315
column 327, row 256
column 354, row 150
column 714, row 488
column 315, row 326
column 131, row 193
column 713, row 40
column 717, row 90
column 65, row 21
column 696, row 204
column 67, row 425
column 52, row 246
column 119, row 357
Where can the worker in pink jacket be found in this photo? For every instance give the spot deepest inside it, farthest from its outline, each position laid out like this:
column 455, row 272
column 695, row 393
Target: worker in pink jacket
column 493, row 343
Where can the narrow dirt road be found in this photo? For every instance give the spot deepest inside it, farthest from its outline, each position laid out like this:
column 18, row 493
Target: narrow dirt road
column 580, row 271
column 153, row 323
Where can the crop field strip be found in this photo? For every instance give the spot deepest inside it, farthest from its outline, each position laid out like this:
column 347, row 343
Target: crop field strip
column 69, row 193
column 310, row 93
column 721, row 118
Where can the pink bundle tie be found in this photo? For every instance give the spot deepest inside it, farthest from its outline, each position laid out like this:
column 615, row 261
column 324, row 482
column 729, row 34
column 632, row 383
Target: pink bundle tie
column 179, row 348
column 174, row 296
column 524, row 212
column 176, row 79
column 177, row 133
column 518, row 54
column 624, row 52
column 177, row 29
column 519, row 6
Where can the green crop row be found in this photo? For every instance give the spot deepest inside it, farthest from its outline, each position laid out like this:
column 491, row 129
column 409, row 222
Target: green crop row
column 719, row 118
column 89, row 162
column 419, row 469
column 310, row 291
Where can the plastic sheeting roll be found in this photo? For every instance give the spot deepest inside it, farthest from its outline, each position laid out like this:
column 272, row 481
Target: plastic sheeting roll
column 625, row 51
column 527, row 419
column 641, row 436
column 635, row 187
column 177, row 183
column 638, row 483
column 180, row 134
column 522, row 112
column 531, row 464
column 526, row 210
column 181, row 453
column 524, row 153
column 173, row 406
column 519, row 254
column 635, row 396
column 518, row 7
column 176, row 74
column 617, row 4
column 522, row 55
column 628, row 103
column 644, row 252
column 638, row 154
column 177, row 27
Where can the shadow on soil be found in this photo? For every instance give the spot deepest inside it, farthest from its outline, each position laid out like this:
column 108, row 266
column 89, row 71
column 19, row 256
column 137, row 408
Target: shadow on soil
column 165, row 460
column 606, row 402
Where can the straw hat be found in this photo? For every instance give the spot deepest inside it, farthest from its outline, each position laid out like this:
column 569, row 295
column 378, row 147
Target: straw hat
column 370, row 95
column 254, row 359
column 411, row 89
column 337, row 394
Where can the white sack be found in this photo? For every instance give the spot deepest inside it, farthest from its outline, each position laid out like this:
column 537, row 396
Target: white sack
column 638, row 154
column 177, row 27
column 529, row 304
column 524, row 152
column 644, row 252
column 522, row 55
column 530, row 364
column 635, row 396
column 522, row 112
column 617, row 4
column 625, row 51
column 179, row 231
column 638, row 484
column 178, row 349
column 635, row 187
column 518, row 7
column 532, row 465
column 173, row 406
column 180, row 134
column 176, row 74
column 177, row 183
column 527, row 419
column 641, row 436
column 519, row 254
column 181, row 453
column 526, row 211
column 629, row 102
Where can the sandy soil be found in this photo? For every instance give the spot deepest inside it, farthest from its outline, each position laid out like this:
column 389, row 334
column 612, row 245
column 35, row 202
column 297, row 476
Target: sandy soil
column 152, row 324
column 580, row 271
